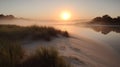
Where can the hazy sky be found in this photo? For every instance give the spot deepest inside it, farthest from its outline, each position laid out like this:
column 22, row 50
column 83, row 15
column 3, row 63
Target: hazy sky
column 51, row 9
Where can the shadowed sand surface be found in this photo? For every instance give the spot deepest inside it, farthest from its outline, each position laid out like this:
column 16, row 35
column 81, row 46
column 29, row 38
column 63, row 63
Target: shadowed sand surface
column 81, row 52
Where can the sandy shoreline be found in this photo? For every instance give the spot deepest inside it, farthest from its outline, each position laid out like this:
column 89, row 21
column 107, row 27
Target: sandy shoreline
column 81, row 52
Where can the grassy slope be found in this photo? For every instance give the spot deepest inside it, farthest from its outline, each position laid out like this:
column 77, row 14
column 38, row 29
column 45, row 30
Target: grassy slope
column 12, row 55
column 13, row 32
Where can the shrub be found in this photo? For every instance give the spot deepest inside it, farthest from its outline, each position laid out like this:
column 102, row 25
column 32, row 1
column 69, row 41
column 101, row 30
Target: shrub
column 65, row 33
column 45, row 57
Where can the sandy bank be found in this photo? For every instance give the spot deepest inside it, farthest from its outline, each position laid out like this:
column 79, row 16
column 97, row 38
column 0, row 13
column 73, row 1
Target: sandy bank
column 81, row 52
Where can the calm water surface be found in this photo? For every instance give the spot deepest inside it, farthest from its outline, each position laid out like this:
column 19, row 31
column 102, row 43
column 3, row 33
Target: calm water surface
column 109, row 35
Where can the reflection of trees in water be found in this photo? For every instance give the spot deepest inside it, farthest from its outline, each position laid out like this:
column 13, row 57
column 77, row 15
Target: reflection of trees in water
column 106, row 29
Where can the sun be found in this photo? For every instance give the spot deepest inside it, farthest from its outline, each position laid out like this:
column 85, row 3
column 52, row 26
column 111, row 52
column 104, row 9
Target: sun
column 65, row 15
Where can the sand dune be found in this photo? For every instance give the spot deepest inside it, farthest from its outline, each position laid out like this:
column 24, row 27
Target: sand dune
column 81, row 52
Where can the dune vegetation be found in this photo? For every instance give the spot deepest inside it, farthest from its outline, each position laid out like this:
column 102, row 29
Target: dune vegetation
column 45, row 57
column 13, row 32
column 13, row 55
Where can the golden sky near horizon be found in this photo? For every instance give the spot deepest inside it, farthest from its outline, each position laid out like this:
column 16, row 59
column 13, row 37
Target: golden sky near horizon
column 52, row 9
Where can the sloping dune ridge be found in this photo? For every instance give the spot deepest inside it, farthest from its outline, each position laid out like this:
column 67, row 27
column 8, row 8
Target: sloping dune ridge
column 80, row 52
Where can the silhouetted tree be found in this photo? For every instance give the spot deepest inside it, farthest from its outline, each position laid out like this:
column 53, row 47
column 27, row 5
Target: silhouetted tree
column 118, row 18
column 97, row 19
column 106, row 20
column 10, row 17
column 2, row 16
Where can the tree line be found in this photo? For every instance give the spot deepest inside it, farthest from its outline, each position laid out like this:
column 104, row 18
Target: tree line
column 106, row 20
column 2, row 16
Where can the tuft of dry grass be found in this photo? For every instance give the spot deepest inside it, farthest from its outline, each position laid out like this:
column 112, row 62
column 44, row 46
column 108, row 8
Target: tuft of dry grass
column 46, row 57
column 10, row 53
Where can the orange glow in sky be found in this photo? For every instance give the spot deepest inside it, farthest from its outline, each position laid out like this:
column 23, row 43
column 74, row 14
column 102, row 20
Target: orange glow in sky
column 51, row 9
column 65, row 15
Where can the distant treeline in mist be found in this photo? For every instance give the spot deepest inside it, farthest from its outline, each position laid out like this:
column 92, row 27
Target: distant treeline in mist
column 2, row 16
column 106, row 20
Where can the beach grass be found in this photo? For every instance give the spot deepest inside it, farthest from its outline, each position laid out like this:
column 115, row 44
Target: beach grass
column 13, row 55
column 13, row 32
column 46, row 57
